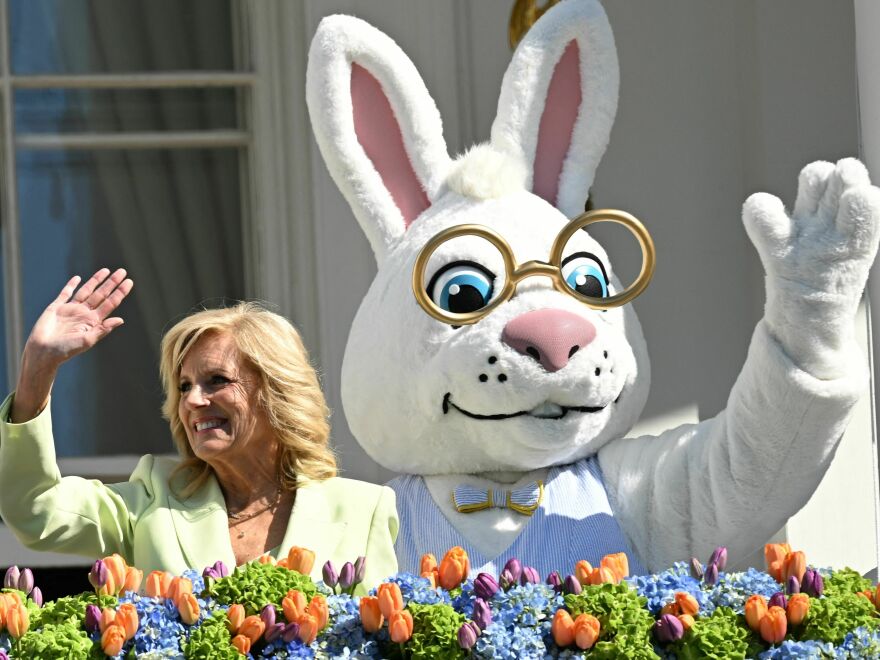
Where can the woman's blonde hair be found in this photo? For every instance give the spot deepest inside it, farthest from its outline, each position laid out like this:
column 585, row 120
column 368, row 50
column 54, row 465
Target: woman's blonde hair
column 289, row 390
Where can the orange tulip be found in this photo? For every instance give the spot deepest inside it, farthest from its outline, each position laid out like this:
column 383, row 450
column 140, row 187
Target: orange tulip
column 794, row 564
column 586, row 631
column 453, row 568
column 797, row 608
column 755, row 609
column 774, row 625
column 562, row 628
column 242, row 643
column 14, row 598
column 300, row 560
column 294, row 605
column 253, row 628
column 234, row 618
column 127, row 619
column 618, row 563
column 371, row 615
column 188, row 608
column 774, row 557
column 877, row 597
column 108, row 618
column 582, row 571
column 603, row 575
column 17, row 621
column 133, row 579
column 308, row 628
column 282, row 563
column 112, row 639
column 687, row 604
column 427, row 564
column 390, row 599
column 267, row 559
column 671, row 608
column 158, row 583
column 687, row 621
column 400, row 626
column 116, row 567
column 178, row 587
column 432, row 577
column 110, row 587
column 319, row 609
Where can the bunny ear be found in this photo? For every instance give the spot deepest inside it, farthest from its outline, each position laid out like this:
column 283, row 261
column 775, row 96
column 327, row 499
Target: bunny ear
column 376, row 125
column 558, row 101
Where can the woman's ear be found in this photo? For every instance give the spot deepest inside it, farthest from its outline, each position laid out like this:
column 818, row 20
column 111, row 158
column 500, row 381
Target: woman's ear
column 377, row 127
column 558, row 102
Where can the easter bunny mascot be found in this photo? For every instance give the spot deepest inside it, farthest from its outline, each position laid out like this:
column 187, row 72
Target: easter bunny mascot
column 510, row 431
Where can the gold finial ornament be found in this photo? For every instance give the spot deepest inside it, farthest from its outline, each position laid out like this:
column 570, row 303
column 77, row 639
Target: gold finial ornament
column 523, row 16
column 552, row 269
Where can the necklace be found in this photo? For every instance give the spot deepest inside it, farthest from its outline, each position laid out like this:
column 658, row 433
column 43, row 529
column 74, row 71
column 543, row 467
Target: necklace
column 236, row 519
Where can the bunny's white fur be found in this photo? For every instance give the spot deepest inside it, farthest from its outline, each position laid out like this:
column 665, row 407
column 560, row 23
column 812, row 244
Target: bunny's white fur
column 416, row 391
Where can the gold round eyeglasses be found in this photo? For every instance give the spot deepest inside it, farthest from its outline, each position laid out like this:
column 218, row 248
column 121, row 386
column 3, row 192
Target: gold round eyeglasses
column 551, row 268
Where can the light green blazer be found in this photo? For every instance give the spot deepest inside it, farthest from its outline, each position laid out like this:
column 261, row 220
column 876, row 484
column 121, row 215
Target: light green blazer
column 142, row 520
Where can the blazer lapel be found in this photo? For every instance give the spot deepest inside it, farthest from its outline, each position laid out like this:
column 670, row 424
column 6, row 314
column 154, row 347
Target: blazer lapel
column 311, row 526
column 202, row 527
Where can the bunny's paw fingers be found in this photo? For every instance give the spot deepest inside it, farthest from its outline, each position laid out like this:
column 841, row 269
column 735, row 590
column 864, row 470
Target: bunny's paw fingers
column 767, row 225
column 858, row 222
column 848, row 174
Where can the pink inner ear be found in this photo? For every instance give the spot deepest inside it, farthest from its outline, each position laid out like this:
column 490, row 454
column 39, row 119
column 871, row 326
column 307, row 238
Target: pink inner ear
column 379, row 133
column 557, row 124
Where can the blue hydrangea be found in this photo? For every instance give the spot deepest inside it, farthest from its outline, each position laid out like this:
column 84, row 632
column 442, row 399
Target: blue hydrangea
column 660, row 588
column 521, row 619
column 198, row 582
column 791, row 650
column 733, row 589
column 279, row 649
column 345, row 636
column 161, row 630
column 860, row 643
column 418, row 590
column 500, row 641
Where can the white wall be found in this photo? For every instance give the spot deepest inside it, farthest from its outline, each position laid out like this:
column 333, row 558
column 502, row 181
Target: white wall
column 718, row 100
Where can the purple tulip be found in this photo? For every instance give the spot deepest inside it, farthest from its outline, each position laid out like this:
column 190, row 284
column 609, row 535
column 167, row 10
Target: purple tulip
column 792, row 586
column 273, row 632
column 572, row 585
column 98, row 574
column 360, row 569
column 555, row 581
column 482, row 614
column 506, row 580
column 515, row 569
column 346, row 576
column 668, row 629
column 719, row 557
column 221, row 569
column 813, row 584
column 10, row 581
column 209, row 573
column 778, row 599
column 818, row 584
column 696, row 568
column 529, row 575
column 467, row 635
column 93, row 618
column 268, row 615
column 331, row 577
column 290, row 632
column 710, row 577
column 26, row 581
column 37, row 597
column 485, row 586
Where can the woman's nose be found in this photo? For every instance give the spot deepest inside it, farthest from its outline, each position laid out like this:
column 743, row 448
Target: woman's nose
column 195, row 397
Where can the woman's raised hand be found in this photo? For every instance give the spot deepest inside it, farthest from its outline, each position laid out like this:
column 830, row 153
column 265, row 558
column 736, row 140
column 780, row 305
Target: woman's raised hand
column 74, row 322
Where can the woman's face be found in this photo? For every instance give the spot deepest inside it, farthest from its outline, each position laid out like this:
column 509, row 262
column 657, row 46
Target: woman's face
column 219, row 405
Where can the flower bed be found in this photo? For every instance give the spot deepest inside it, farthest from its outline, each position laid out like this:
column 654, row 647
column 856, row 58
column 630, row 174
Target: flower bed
column 268, row 610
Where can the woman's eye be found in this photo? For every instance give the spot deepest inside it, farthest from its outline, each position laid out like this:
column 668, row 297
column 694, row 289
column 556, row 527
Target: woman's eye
column 461, row 287
column 184, row 387
column 584, row 273
column 219, row 380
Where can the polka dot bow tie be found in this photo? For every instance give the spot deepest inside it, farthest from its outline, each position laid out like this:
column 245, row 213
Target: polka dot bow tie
column 524, row 500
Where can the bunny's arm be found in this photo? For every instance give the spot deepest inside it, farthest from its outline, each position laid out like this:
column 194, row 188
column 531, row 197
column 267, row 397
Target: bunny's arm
column 735, row 479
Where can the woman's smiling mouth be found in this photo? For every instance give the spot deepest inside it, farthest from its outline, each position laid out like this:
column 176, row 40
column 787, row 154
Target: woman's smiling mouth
column 545, row 410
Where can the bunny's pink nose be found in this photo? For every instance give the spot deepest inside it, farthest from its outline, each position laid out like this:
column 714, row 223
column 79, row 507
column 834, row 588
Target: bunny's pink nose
column 550, row 336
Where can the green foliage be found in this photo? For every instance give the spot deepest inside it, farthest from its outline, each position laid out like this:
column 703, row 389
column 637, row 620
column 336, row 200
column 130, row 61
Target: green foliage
column 846, row 581
column 832, row 617
column 254, row 585
column 70, row 609
column 626, row 624
column 211, row 640
column 721, row 636
column 62, row 640
column 435, row 632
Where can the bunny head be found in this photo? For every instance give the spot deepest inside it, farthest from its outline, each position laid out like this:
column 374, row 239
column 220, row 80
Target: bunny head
column 541, row 380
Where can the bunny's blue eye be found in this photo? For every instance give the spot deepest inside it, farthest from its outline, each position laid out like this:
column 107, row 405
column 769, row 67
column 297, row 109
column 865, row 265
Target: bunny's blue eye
column 584, row 273
column 461, row 287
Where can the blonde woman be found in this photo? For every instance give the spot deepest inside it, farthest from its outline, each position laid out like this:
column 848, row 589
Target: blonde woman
column 249, row 420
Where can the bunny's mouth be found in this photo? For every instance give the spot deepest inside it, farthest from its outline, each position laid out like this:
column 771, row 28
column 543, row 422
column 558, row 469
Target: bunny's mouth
column 546, row 410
